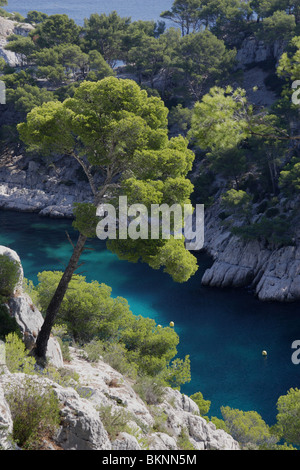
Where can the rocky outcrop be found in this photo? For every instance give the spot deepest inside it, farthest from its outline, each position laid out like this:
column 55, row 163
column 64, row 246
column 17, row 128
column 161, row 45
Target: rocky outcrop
column 28, row 318
column 48, row 188
column 81, row 427
column 13, row 256
column 273, row 275
column 7, row 28
column 30, row 321
column 250, row 58
column 6, row 422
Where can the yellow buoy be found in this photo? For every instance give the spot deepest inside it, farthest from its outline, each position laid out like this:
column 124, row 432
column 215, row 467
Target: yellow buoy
column 171, row 324
column 264, row 353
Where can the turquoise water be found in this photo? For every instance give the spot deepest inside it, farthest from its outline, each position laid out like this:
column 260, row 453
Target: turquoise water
column 78, row 10
column 223, row 331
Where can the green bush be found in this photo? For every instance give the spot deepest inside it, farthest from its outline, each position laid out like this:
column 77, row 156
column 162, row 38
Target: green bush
column 94, row 351
column 9, row 275
column 288, row 407
column 203, row 405
column 17, row 358
column 248, row 428
column 114, row 354
column 280, row 24
column 289, row 179
column 183, row 441
column 276, row 231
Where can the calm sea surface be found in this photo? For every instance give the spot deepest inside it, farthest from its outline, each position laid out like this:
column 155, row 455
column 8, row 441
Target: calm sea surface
column 78, row 9
column 224, row 332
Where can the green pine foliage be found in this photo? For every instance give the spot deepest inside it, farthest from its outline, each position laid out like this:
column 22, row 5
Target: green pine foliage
column 106, row 327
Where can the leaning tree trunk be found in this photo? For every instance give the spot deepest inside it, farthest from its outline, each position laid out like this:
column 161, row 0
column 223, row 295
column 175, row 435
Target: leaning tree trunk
column 54, row 306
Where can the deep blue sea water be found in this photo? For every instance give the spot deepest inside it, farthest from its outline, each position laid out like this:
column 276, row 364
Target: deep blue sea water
column 223, row 331
column 78, row 9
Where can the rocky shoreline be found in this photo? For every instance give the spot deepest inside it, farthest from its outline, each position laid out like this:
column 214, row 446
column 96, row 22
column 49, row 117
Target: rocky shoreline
column 272, row 275
column 7, row 28
column 49, row 190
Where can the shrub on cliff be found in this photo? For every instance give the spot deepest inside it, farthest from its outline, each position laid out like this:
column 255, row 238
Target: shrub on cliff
column 35, row 413
column 7, row 323
column 9, row 275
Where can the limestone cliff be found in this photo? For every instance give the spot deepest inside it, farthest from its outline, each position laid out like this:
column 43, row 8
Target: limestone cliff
column 46, row 187
column 272, row 274
column 50, row 187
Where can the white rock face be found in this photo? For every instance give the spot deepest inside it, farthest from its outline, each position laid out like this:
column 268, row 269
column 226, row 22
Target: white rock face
column 6, row 423
column 82, row 429
column 109, row 387
column 30, row 321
